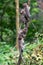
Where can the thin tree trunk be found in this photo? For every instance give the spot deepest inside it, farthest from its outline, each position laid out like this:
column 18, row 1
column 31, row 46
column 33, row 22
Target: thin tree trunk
column 28, row 2
column 17, row 21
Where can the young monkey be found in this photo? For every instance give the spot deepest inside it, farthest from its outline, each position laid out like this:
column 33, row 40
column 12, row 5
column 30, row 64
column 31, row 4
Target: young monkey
column 25, row 14
column 27, row 9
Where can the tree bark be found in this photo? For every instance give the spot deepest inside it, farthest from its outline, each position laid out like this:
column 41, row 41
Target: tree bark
column 17, row 21
column 28, row 2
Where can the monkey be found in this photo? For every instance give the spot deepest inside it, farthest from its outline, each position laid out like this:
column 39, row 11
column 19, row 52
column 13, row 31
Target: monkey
column 22, row 34
column 21, row 44
column 25, row 14
column 27, row 9
column 23, row 19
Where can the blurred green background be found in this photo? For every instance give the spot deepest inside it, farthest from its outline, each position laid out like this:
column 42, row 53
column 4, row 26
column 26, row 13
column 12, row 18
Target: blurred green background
column 33, row 52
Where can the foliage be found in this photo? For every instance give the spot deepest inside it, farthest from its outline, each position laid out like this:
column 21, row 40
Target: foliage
column 33, row 51
column 33, row 54
column 8, row 27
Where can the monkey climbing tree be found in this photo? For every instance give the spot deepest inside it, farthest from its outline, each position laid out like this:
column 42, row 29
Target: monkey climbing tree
column 21, row 33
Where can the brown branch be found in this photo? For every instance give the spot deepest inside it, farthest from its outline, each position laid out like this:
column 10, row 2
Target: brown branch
column 17, row 21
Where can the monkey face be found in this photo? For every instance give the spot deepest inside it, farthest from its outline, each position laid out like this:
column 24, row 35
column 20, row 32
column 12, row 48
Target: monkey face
column 22, row 11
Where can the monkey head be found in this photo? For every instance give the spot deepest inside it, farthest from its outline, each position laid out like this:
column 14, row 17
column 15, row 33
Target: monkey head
column 25, row 4
column 22, row 11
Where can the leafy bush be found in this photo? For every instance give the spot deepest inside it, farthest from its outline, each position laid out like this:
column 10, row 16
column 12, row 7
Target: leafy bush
column 33, row 54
